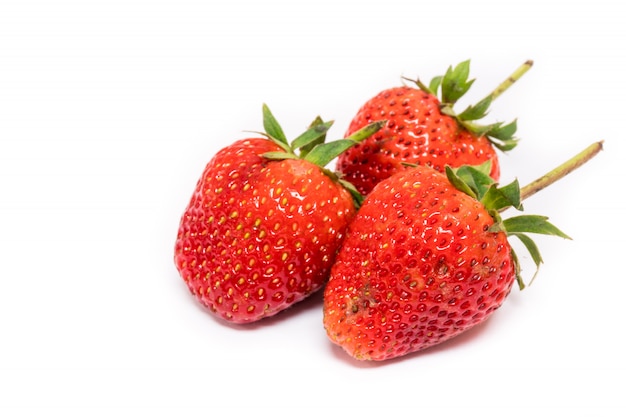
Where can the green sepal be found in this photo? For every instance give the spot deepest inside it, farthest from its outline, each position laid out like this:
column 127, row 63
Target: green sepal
column 279, row 155
column 458, row 183
column 285, row 146
column 367, row 131
column 503, row 132
column 305, row 149
column 434, row 84
column 531, row 246
column 531, row 223
column 272, row 128
column 357, row 197
column 519, row 226
column 476, row 182
column 476, row 178
column 311, row 136
column 323, row 153
column 501, row 135
column 455, row 83
column 505, row 145
column 533, row 250
column 477, row 111
column 432, row 88
column 449, row 111
column 498, row 198
column 518, row 270
column 310, row 145
column 480, row 130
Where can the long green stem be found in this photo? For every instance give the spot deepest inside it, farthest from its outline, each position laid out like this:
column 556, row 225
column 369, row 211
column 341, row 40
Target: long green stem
column 561, row 171
column 517, row 74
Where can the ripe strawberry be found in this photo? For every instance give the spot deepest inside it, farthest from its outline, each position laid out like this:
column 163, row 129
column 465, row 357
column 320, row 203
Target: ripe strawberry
column 424, row 129
column 263, row 225
column 427, row 257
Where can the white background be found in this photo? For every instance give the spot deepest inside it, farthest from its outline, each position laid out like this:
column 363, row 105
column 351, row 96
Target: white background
column 109, row 111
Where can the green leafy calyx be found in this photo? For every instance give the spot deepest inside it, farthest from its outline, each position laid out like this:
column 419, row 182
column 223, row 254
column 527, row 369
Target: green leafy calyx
column 476, row 182
column 311, row 145
column 454, row 84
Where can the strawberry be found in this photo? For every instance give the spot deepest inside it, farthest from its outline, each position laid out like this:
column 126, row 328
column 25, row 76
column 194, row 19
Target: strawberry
column 424, row 129
column 426, row 258
column 264, row 223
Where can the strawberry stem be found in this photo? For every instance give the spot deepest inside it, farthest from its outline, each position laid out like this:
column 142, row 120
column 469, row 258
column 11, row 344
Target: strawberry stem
column 516, row 75
column 519, row 226
column 561, row 171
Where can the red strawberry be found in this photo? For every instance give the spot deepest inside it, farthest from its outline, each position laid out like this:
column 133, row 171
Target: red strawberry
column 424, row 129
column 424, row 261
column 263, row 225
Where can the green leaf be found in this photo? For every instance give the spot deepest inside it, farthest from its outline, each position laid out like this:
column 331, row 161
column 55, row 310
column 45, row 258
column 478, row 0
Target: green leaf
column 449, row 111
column 504, row 132
column 357, row 197
column 477, row 178
column 312, row 135
column 496, row 227
column 272, row 127
column 531, row 246
column 505, row 145
column 479, row 130
column 323, row 153
column 531, row 223
column 477, row 111
column 434, row 84
column 484, row 168
column 497, row 198
column 458, row 183
column 420, row 84
column 455, row 84
column 279, row 155
column 518, row 272
column 367, row 131
column 518, row 227
column 533, row 250
column 307, row 148
column 499, row 134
